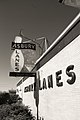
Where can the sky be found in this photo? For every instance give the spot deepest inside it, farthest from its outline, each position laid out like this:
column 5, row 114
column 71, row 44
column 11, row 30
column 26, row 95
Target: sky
column 37, row 18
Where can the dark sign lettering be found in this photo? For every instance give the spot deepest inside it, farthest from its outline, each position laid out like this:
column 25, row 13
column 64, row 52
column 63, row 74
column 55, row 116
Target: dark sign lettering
column 44, row 84
column 23, row 46
column 58, row 78
column 50, row 81
column 71, row 74
column 47, row 83
column 17, row 58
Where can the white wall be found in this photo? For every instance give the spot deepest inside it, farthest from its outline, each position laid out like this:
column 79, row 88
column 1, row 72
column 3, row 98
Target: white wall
column 61, row 103
column 58, row 103
column 28, row 97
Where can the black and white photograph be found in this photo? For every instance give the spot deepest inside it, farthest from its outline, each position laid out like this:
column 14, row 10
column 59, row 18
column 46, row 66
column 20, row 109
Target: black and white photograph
column 40, row 59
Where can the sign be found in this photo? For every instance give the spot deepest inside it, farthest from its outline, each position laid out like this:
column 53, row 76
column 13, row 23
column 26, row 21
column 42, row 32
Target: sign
column 17, row 60
column 23, row 56
column 23, row 46
column 22, row 74
column 74, row 3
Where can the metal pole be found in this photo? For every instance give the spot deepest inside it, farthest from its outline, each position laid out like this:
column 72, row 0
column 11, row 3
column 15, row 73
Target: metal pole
column 37, row 113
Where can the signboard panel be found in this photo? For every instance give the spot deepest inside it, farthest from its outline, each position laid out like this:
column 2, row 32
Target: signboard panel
column 59, row 94
column 74, row 3
column 17, row 60
column 23, row 46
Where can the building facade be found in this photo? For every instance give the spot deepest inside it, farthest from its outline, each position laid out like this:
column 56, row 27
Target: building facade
column 58, row 77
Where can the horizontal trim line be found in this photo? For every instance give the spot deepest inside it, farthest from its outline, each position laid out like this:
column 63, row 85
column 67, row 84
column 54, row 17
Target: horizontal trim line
column 75, row 20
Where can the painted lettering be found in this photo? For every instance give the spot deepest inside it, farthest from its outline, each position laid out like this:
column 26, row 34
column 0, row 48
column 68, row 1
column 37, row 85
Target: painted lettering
column 44, row 84
column 70, row 74
column 58, row 78
column 50, row 81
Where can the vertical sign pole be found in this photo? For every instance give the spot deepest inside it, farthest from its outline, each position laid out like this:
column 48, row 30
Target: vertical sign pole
column 36, row 92
column 37, row 113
